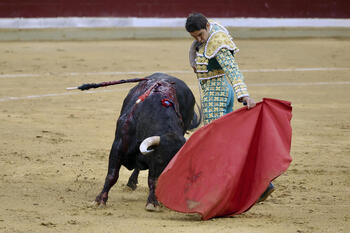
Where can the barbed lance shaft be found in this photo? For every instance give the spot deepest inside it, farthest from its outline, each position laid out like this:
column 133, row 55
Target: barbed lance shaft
column 88, row 86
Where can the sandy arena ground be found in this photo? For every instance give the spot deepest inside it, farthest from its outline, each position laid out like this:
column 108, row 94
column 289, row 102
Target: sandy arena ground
column 54, row 144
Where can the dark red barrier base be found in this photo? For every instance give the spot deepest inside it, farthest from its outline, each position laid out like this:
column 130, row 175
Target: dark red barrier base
column 179, row 8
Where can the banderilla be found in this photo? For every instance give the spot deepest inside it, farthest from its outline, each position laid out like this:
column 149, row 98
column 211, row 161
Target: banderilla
column 87, row 86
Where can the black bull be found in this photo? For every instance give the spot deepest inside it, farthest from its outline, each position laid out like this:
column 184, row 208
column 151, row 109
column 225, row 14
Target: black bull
column 150, row 130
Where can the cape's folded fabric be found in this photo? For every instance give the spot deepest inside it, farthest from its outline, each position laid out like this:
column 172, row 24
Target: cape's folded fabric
column 226, row 165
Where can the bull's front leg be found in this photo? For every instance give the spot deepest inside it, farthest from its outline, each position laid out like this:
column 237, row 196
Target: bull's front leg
column 132, row 183
column 114, row 165
column 152, row 202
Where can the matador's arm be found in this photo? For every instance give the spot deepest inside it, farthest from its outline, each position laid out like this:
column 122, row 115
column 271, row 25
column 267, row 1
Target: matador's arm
column 229, row 65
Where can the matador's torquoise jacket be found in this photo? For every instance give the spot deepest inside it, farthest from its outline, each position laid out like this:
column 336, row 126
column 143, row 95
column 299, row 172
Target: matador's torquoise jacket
column 216, row 68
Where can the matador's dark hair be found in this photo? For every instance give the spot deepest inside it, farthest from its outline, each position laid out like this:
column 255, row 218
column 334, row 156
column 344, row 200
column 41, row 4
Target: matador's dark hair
column 195, row 22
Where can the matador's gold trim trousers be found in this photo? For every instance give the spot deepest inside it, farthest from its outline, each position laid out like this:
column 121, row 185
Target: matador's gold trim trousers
column 217, row 99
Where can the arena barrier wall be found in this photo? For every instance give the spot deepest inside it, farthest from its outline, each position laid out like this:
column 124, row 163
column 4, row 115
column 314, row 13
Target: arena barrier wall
column 173, row 9
column 147, row 19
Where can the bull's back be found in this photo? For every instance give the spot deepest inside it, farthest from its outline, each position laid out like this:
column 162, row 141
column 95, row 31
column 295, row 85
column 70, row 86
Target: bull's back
column 184, row 96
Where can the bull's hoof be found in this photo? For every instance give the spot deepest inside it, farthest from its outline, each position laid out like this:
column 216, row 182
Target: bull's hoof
column 96, row 204
column 93, row 204
column 152, row 208
column 132, row 185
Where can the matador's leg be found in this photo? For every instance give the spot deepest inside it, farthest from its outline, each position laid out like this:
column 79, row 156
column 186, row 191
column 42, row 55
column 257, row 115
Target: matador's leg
column 216, row 99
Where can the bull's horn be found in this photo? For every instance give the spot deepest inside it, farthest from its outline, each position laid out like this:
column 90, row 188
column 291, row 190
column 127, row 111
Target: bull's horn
column 150, row 141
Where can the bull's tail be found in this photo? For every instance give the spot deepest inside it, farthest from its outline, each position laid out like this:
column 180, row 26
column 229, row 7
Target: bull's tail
column 197, row 118
column 87, row 86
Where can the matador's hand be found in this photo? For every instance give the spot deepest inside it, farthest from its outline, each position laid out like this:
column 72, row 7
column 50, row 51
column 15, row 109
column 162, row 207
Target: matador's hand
column 249, row 102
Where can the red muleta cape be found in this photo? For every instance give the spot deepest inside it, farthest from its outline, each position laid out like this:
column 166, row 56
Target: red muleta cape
column 226, row 165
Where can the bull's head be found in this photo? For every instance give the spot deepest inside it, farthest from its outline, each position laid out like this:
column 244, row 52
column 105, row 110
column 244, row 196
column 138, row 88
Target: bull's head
column 160, row 150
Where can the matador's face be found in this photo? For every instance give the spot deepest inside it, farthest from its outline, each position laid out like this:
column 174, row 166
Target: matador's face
column 201, row 35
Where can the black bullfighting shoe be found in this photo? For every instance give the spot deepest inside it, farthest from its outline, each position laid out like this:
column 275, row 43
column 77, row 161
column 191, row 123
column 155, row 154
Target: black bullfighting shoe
column 267, row 192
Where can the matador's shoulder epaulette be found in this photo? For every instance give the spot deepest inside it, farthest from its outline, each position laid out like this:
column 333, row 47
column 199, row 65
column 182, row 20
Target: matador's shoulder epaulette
column 218, row 40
